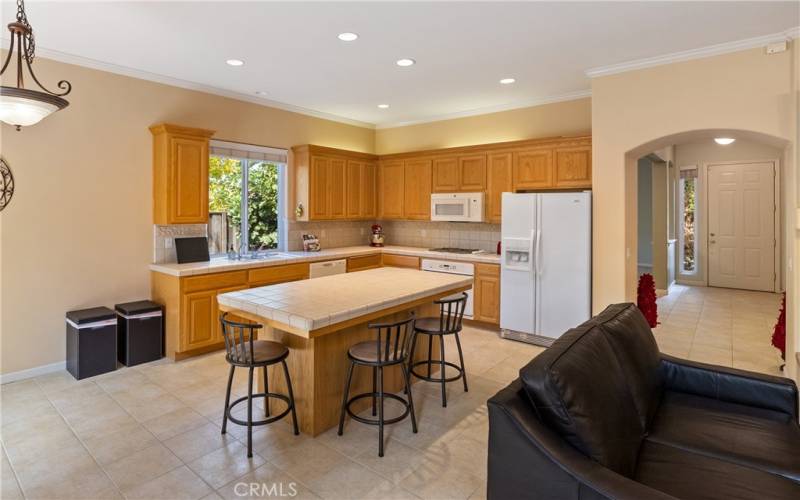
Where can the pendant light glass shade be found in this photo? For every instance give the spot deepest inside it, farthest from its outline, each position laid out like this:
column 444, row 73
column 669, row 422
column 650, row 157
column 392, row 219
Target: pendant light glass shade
column 20, row 106
column 23, row 107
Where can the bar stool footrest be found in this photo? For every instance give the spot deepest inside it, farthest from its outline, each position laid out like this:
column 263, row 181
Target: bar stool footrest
column 266, row 421
column 437, row 363
column 371, row 421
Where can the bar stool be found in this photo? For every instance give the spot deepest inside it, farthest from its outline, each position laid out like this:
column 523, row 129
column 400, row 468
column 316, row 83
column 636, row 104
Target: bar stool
column 451, row 312
column 389, row 349
column 245, row 352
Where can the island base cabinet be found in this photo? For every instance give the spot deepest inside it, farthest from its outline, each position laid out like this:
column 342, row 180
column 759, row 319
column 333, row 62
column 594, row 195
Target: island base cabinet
column 318, row 367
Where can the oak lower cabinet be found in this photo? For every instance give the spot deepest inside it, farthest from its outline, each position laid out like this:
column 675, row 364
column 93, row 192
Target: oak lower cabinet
column 198, row 316
column 390, row 260
column 363, row 262
column 191, row 323
column 180, row 174
column 486, row 287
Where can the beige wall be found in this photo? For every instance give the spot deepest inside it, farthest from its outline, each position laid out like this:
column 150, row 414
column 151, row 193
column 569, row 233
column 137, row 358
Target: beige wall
column 637, row 112
column 560, row 118
column 78, row 231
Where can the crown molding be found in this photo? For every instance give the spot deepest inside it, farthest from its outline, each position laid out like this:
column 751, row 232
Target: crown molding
column 688, row 55
column 570, row 96
column 186, row 84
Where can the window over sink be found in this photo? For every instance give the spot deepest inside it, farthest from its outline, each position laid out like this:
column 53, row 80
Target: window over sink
column 247, row 186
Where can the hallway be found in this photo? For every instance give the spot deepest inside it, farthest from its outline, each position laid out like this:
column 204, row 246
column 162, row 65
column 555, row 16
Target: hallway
column 720, row 326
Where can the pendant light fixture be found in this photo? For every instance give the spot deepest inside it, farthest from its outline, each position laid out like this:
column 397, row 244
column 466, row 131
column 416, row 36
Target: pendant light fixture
column 19, row 106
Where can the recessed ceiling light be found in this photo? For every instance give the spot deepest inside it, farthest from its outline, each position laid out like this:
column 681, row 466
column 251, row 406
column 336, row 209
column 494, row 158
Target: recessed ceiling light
column 260, row 92
column 383, row 106
column 506, row 81
column 347, row 37
column 724, row 141
column 405, row 62
column 234, row 62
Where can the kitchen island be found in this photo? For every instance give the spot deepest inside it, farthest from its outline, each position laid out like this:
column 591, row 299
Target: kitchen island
column 319, row 319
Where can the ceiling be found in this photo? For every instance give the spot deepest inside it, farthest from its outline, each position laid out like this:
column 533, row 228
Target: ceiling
column 292, row 54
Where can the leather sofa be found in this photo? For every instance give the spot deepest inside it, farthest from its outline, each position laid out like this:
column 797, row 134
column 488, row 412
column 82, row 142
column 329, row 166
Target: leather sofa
column 603, row 414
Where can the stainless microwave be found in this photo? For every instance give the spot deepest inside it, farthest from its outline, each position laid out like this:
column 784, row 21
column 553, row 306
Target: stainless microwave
column 457, row 207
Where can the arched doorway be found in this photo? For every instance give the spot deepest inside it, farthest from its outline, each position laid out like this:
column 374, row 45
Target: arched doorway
column 703, row 249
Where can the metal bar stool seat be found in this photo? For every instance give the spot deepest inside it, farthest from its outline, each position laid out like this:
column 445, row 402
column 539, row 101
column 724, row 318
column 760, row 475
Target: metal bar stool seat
column 243, row 351
column 390, row 349
column 449, row 322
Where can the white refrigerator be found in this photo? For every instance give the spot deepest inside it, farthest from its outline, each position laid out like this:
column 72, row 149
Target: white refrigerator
column 546, row 274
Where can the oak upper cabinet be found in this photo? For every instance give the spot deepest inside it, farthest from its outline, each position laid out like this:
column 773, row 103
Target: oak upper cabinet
column 445, row 175
column 319, row 195
column 180, row 174
column 337, row 192
column 487, row 293
column 499, row 179
column 391, row 189
column 333, row 183
column 417, row 189
column 472, row 173
column 573, row 167
column 360, row 189
column 459, row 173
column 369, row 190
column 533, row 169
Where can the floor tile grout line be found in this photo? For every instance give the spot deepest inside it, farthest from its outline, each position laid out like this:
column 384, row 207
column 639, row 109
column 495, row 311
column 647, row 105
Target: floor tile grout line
column 119, row 490
column 72, row 430
column 13, row 470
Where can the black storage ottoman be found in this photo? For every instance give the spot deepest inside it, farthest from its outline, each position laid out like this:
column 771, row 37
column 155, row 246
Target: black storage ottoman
column 140, row 332
column 91, row 342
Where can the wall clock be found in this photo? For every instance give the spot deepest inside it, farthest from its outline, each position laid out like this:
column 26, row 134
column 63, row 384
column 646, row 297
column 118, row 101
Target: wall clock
column 6, row 184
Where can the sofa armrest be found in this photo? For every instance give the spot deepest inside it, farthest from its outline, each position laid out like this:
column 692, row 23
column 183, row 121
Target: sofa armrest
column 731, row 385
column 528, row 460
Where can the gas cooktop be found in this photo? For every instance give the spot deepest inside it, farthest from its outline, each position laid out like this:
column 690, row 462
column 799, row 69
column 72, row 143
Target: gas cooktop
column 455, row 250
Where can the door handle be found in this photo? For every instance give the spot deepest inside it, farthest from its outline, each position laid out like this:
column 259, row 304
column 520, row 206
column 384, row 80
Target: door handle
column 712, row 241
column 712, row 234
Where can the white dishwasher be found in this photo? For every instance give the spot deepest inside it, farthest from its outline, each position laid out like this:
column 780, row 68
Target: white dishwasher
column 327, row 268
column 452, row 267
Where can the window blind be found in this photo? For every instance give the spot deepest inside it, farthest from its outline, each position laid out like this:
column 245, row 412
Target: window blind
column 248, row 151
column 688, row 173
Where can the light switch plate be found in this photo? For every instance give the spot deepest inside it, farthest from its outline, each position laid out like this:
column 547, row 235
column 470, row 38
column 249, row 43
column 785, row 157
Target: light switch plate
column 168, row 242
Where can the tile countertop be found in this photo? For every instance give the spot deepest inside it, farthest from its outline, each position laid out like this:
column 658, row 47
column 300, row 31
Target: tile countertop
column 317, row 303
column 221, row 264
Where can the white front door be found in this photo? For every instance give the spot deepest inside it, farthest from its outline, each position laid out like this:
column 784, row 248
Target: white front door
column 741, row 226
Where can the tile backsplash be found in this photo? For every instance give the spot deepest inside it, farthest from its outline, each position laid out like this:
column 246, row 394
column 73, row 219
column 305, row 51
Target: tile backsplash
column 428, row 234
column 331, row 234
column 334, row 234
column 164, row 240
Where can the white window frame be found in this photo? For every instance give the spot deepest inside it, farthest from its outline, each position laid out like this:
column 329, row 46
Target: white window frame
column 246, row 164
column 693, row 275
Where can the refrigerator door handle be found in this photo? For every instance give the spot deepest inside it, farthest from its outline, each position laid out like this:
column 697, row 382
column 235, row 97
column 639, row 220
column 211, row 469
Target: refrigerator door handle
column 539, row 267
column 533, row 244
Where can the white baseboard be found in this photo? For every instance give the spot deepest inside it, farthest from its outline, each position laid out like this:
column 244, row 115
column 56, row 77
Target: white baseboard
column 32, row 372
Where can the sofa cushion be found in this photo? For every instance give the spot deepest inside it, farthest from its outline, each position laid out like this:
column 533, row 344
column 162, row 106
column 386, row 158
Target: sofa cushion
column 579, row 390
column 635, row 346
column 692, row 476
column 754, row 437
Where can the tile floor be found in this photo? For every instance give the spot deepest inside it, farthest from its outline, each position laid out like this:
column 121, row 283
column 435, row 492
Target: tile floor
column 720, row 326
column 152, row 432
